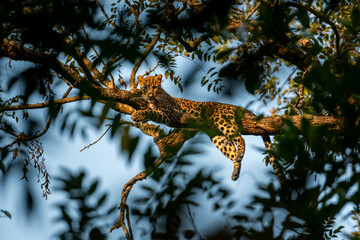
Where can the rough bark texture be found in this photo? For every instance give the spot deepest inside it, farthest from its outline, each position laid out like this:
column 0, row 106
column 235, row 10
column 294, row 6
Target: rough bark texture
column 275, row 124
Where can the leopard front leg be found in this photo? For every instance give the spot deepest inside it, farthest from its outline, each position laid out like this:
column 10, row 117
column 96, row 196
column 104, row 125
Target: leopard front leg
column 228, row 149
column 150, row 115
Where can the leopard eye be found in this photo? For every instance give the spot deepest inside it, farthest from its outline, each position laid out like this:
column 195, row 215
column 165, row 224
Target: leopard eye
column 154, row 87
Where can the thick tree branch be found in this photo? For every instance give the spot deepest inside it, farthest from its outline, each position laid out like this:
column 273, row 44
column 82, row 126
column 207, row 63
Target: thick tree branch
column 296, row 57
column 169, row 145
column 15, row 51
column 275, row 125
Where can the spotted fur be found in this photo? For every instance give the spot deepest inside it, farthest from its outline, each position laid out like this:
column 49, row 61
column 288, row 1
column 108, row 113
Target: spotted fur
column 223, row 118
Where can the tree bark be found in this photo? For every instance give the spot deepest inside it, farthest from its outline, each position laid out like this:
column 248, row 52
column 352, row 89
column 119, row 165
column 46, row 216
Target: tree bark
column 274, row 125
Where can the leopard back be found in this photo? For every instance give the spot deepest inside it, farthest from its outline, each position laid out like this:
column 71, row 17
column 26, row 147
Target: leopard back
column 224, row 118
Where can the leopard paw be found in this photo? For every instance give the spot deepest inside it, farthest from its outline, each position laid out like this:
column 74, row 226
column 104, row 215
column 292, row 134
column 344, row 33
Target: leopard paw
column 138, row 116
column 236, row 172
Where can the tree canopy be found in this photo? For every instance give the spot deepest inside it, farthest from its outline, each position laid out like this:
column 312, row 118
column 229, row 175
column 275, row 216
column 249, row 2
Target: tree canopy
column 300, row 58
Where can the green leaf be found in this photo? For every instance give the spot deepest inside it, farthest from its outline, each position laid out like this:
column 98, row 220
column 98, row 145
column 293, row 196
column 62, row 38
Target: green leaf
column 68, row 59
column 105, row 110
column 149, row 159
column 2, row 167
column 204, row 82
column 8, row 214
column 211, row 69
column 93, row 187
column 303, row 17
column 102, row 200
column 129, row 143
column 148, row 189
column 116, row 124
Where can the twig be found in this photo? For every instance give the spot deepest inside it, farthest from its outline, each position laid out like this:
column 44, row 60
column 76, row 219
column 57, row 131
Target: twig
column 95, row 71
column 142, row 58
column 235, row 24
column 9, row 145
column 80, row 57
column 136, row 14
column 191, row 47
column 105, row 14
column 323, row 17
column 88, row 146
column 23, row 138
column 44, row 104
column 151, row 70
column 252, row 11
column 125, row 193
column 276, row 166
column 47, row 126
column 128, row 221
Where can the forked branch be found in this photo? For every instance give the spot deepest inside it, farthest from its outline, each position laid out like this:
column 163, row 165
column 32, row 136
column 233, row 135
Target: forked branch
column 168, row 145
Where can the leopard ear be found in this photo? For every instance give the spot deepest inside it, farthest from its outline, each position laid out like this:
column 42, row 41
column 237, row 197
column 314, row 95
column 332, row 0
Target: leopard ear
column 140, row 80
column 159, row 78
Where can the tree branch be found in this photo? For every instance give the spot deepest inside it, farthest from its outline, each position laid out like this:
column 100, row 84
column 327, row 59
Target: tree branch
column 191, row 47
column 142, row 58
column 235, row 24
column 323, row 17
column 279, row 173
column 275, row 125
column 88, row 146
column 15, row 51
column 106, row 82
column 168, row 145
column 105, row 14
column 44, row 104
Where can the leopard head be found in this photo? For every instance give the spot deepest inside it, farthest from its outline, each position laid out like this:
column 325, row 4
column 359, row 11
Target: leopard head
column 150, row 85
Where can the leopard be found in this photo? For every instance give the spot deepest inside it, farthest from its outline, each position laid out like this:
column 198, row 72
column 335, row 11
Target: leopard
column 222, row 119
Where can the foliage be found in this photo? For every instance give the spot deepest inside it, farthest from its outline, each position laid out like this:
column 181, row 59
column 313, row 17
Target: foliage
column 232, row 44
column 83, row 211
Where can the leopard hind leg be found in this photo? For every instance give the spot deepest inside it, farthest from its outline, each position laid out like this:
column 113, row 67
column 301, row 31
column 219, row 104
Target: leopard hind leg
column 227, row 147
column 229, row 129
column 240, row 147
